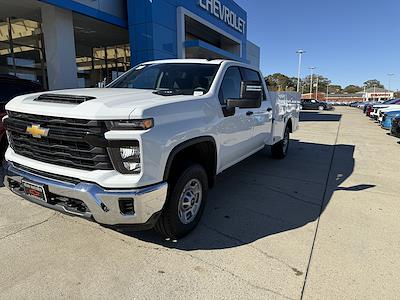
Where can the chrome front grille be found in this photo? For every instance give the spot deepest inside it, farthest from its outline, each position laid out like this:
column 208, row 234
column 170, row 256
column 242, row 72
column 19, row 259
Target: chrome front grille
column 73, row 143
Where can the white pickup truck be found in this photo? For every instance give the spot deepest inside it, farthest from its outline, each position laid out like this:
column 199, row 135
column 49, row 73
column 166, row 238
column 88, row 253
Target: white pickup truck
column 143, row 151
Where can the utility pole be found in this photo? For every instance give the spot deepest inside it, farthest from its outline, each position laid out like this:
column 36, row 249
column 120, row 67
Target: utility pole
column 316, row 89
column 390, row 75
column 300, row 53
column 311, row 80
column 327, row 91
column 365, row 93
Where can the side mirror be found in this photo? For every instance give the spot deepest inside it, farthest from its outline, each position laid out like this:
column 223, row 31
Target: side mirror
column 251, row 95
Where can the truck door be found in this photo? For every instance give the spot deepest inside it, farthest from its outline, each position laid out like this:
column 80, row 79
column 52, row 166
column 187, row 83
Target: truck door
column 235, row 130
column 262, row 116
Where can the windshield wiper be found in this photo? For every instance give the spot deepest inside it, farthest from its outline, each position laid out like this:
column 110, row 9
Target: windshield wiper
column 168, row 92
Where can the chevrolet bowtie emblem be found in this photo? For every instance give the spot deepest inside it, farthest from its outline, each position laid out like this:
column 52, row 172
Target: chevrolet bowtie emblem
column 36, row 131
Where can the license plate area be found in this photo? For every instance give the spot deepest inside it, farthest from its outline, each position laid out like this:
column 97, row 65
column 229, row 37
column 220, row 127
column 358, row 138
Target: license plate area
column 34, row 190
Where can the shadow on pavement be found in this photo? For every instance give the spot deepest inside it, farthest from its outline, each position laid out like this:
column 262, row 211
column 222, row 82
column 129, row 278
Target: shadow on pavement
column 315, row 116
column 261, row 196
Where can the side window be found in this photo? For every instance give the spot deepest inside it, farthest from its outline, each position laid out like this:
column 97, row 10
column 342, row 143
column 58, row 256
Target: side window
column 230, row 87
column 251, row 75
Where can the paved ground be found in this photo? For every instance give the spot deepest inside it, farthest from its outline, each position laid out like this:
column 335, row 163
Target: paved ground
column 322, row 224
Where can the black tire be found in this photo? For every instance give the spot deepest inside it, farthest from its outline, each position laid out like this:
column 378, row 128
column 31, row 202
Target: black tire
column 169, row 225
column 321, row 108
column 280, row 149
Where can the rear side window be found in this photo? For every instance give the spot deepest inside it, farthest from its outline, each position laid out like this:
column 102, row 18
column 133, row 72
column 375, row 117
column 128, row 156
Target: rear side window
column 230, row 87
column 251, row 75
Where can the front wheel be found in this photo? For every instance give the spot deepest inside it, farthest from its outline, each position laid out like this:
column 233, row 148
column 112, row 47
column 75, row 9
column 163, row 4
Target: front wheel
column 280, row 149
column 320, row 108
column 185, row 203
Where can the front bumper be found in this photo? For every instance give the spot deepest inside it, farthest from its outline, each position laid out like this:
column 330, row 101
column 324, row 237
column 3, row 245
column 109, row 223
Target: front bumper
column 101, row 205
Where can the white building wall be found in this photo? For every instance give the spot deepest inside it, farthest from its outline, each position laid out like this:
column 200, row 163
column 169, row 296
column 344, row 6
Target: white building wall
column 113, row 7
column 253, row 54
column 59, row 41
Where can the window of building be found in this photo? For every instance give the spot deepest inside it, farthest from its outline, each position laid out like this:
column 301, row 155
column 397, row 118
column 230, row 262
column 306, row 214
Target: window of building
column 22, row 50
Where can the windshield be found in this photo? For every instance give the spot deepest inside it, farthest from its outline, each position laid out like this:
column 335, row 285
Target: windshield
column 183, row 79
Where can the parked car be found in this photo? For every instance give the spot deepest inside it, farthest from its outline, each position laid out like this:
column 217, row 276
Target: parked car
column 368, row 107
column 144, row 151
column 312, row 104
column 381, row 112
column 375, row 114
column 388, row 118
column 356, row 104
column 395, row 130
column 10, row 87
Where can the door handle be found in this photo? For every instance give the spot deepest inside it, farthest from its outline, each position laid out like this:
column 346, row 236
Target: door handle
column 249, row 113
column 269, row 109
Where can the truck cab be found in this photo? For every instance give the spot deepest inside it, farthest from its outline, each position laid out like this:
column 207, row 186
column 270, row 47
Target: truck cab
column 144, row 151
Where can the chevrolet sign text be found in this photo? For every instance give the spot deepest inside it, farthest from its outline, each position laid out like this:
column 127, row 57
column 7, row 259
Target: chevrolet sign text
column 217, row 9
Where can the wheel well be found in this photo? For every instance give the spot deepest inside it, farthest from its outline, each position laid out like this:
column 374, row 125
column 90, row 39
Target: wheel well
column 200, row 150
column 290, row 125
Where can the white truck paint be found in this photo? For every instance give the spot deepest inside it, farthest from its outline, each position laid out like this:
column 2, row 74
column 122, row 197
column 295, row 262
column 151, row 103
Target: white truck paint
column 179, row 122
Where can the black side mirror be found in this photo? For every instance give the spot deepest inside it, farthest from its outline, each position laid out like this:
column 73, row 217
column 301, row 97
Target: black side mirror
column 251, row 95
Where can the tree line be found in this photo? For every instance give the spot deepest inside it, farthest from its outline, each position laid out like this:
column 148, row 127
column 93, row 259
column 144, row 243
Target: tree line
column 281, row 82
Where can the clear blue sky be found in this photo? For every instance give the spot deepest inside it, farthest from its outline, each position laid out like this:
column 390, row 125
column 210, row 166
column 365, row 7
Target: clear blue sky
column 347, row 41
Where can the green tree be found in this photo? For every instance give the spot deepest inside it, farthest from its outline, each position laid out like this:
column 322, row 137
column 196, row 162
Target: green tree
column 352, row 89
column 280, row 82
column 373, row 83
column 323, row 83
column 335, row 89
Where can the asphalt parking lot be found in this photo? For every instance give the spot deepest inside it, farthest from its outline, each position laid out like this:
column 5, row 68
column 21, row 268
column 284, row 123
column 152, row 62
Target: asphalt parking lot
column 321, row 224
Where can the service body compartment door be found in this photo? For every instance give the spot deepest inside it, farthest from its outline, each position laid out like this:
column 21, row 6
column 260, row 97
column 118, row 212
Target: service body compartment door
column 286, row 105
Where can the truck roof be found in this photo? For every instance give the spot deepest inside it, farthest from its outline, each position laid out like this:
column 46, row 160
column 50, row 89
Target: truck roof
column 187, row 61
column 199, row 61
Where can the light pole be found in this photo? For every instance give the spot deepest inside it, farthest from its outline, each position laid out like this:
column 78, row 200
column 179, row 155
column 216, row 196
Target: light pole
column 316, row 89
column 300, row 53
column 390, row 75
column 311, row 80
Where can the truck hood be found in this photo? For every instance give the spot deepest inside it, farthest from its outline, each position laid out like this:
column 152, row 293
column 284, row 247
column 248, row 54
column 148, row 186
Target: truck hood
column 108, row 103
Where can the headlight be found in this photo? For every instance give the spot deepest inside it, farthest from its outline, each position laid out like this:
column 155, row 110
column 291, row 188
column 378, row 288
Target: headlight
column 130, row 124
column 126, row 157
column 130, row 157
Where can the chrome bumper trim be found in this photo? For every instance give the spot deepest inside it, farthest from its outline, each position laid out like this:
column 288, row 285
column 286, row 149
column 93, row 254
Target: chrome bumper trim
column 102, row 203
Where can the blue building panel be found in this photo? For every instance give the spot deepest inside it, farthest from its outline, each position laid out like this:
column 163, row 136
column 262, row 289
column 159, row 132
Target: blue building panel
column 236, row 12
column 207, row 46
column 103, row 15
column 153, row 25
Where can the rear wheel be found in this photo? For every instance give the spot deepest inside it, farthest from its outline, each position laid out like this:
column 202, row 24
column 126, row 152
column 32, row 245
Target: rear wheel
column 185, row 203
column 280, row 149
column 321, row 107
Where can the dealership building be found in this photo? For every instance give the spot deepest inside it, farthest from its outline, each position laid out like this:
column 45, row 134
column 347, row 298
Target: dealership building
column 370, row 94
column 69, row 44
